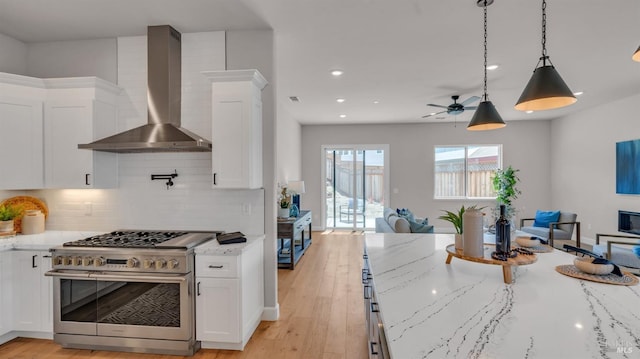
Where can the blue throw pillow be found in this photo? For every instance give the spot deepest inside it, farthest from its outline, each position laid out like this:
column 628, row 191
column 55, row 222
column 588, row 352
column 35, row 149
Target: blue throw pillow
column 543, row 218
column 636, row 250
column 405, row 213
column 420, row 227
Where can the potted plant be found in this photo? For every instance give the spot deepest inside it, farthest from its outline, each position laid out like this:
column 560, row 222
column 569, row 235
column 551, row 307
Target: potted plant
column 284, row 200
column 7, row 214
column 455, row 218
column 504, row 183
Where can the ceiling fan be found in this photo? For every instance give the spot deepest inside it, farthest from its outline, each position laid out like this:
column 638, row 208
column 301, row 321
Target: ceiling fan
column 455, row 108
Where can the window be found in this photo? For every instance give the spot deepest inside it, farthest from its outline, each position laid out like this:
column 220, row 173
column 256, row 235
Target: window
column 466, row 171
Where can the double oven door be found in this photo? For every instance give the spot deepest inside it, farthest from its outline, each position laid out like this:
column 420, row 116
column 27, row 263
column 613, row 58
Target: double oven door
column 123, row 304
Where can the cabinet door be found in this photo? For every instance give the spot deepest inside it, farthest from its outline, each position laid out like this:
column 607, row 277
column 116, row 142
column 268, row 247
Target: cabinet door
column 5, row 292
column 21, row 140
column 218, row 308
column 67, row 124
column 26, row 291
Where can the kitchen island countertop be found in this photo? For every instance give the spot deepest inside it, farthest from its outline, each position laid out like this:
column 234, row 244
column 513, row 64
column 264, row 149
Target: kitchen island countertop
column 430, row 309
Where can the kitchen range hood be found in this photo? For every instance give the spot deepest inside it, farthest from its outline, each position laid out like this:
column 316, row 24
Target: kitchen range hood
column 162, row 133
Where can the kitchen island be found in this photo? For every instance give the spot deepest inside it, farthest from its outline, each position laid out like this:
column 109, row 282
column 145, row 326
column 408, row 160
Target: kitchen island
column 429, row 309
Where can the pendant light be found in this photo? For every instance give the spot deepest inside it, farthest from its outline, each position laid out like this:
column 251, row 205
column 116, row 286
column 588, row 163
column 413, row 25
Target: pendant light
column 546, row 90
column 636, row 56
column 486, row 116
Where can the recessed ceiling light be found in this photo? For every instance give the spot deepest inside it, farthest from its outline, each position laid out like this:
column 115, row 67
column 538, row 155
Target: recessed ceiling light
column 432, row 114
column 340, row 100
column 343, row 116
column 492, row 67
column 376, row 102
column 337, row 72
column 529, row 111
column 578, row 93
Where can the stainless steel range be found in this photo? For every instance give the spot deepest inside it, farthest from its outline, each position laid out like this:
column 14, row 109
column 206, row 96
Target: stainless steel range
column 127, row 291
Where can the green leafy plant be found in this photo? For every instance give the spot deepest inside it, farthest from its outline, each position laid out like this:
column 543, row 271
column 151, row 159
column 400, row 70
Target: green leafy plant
column 455, row 218
column 9, row 212
column 504, row 183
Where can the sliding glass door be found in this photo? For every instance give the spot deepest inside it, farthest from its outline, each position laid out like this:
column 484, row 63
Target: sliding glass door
column 355, row 186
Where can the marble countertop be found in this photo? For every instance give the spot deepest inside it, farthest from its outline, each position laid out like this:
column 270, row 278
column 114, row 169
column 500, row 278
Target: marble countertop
column 214, row 248
column 464, row 309
column 42, row 241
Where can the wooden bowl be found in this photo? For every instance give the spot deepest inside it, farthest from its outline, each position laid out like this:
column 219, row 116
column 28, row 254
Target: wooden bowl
column 584, row 265
column 527, row 242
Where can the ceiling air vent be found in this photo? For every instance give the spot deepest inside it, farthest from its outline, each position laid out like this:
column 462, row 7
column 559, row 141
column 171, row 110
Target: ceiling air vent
column 294, row 99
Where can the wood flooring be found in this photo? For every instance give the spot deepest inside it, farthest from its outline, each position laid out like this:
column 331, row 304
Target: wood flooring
column 321, row 313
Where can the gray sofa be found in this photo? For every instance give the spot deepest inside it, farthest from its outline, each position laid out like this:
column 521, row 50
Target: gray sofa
column 390, row 222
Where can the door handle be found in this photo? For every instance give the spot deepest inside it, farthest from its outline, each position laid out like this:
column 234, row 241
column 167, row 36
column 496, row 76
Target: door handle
column 33, row 261
column 215, row 175
column 86, row 179
column 198, row 289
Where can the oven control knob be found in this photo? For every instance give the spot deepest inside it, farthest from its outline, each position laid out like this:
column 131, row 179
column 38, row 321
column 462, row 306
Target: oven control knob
column 77, row 261
column 87, row 261
column 132, row 262
column 173, row 264
column 57, row 260
column 148, row 263
column 100, row 261
column 161, row 263
column 67, row 261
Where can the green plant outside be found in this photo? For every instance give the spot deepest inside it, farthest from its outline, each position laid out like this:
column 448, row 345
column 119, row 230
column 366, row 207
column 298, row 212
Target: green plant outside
column 9, row 212
column 455, row 218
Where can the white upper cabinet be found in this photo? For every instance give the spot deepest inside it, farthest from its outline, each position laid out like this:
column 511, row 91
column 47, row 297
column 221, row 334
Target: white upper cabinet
column 21, row 132
column 236, row 128
column 77, row 111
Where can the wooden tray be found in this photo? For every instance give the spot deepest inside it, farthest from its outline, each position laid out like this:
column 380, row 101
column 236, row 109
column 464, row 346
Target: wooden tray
column 519, row 260
column 571, row 271
column 26, row 202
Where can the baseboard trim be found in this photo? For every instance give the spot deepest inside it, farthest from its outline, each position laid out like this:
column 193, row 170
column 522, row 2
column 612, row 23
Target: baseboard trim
column 271, row 313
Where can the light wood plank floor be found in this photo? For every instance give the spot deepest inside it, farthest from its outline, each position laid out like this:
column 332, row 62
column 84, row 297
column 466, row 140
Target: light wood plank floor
column 321, row 313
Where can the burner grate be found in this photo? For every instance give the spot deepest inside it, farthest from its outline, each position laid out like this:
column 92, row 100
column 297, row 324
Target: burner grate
column 126, row 239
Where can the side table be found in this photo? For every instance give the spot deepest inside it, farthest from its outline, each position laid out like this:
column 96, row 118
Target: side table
column 288, row 232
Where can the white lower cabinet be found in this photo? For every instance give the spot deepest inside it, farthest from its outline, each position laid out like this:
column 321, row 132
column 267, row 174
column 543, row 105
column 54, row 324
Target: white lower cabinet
column 32, row 292
column 5, row 293
column 229, row 297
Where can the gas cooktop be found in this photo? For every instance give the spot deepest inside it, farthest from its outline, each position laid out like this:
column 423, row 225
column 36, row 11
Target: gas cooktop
column 144, row 239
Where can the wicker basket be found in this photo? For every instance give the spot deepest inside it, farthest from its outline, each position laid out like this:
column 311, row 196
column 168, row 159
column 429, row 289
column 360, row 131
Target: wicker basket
column 26, row 203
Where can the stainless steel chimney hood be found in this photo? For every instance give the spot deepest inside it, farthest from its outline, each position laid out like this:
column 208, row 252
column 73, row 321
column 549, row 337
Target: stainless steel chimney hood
column 162, row 133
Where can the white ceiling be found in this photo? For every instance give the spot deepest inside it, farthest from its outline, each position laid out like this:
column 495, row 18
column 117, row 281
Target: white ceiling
column 402, row 53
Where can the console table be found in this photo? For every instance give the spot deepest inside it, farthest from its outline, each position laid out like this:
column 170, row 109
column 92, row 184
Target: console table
column 288, row 232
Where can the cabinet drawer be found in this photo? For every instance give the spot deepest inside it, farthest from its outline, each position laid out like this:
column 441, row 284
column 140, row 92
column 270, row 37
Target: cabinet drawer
column 217, row 266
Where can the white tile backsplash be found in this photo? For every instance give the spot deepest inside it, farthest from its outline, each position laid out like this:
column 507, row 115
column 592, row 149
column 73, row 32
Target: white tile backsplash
column 139, row 202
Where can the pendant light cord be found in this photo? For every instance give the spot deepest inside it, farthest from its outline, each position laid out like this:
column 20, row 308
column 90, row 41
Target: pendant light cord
column 544, row 31
column 485, row 51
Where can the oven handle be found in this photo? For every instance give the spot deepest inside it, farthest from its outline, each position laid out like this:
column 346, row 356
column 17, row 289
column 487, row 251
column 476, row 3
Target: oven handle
column 140, row 278
column 55, row 273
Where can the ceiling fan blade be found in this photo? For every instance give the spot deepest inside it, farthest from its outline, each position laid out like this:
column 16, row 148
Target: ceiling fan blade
column 434, row 105
column 470, row 100
column 433, row 114
column 471, row 107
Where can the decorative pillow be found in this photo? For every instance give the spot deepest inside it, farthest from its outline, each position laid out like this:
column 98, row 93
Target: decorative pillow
column 388, row 213
column 543, row 218
column 399, row 224
column 420, row 226
column 405, row 213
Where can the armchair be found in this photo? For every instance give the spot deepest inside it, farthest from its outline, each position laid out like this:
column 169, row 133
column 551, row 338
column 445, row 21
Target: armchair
column 352, row 212
column 617, row 251
column 560, row 230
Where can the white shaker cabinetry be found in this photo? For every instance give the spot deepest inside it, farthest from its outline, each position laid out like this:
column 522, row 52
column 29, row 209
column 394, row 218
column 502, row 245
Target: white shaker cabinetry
column 229, row 297
column 21, row 132
column 236, row 111
column 78, row 111
column 5, row 292
column 32, row 306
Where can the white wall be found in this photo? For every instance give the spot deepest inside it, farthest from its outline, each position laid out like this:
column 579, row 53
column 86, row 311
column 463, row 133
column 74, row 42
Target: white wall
column 73, row 59
column 526, row 146
column 13, row 55
column 583, row 166
column 288, row 148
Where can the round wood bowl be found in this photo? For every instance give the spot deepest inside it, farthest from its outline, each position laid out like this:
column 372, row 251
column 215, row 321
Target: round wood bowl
column 584, row 265
column 527, row 242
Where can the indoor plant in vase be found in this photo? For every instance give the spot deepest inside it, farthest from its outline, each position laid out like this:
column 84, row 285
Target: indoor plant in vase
column 7, row 214
column 284, row 201
column 455, row 218
column 504, row 183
